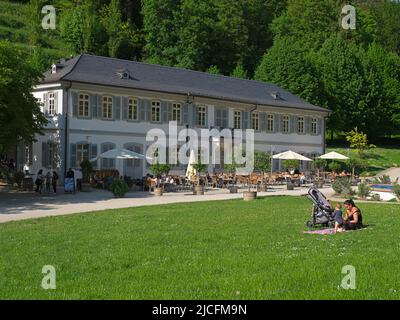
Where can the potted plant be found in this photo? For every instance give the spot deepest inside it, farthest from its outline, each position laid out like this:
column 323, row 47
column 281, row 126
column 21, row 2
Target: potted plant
column 158, row 169
column 87, row 168
column 199, row 167
column 231, row 168
column 262, row 163
column 119, row 188
column 290, row 165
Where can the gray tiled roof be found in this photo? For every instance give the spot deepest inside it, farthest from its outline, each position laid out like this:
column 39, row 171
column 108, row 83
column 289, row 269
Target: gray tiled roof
column 104, row 71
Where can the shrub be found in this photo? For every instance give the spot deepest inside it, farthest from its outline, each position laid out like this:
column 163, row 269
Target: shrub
column 363, row 190
column 342, row 186
column 290, row 164
column 15, row 178
column 385, row 179
column 335, row 167
column 87, row 168
column 376, row 197
column 396, row 190
column 119, row 188
column 320, row 163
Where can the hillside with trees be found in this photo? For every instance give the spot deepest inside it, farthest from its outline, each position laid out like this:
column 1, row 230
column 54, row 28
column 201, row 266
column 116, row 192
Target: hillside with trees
column 296, row 44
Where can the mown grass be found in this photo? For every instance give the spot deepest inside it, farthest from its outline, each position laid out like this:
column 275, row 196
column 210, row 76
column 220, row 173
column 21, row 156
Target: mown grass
column 379, row 158
column 214, row 250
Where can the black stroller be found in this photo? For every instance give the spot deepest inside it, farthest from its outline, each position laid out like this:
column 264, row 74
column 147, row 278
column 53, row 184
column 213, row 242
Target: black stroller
column 322, row 211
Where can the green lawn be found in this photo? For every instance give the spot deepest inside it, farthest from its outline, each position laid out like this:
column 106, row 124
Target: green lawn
column 215, row 250
column 379, row 158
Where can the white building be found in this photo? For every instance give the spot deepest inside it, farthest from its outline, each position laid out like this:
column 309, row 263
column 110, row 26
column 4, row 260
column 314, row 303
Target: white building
column 94, row 104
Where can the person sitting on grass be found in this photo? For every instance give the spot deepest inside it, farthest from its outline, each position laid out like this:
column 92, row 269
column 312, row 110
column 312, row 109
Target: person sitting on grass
column 338, row 216
column 353, row 217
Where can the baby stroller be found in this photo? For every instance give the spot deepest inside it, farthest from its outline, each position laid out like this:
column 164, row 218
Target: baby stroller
column 322, row 211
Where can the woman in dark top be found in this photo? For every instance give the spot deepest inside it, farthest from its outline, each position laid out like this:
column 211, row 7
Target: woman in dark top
column 353, row 217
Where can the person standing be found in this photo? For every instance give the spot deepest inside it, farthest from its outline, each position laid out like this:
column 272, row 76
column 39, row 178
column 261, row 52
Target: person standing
column 54, row 181
column 48, row 181
column 39, row 181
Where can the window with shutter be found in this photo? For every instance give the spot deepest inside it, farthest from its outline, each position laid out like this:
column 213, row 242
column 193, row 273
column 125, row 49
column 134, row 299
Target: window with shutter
column 176, row 112
column 237, row 120
column 270, row 123
column 255, row 121
column 155, row 111
column 133, row 109
column 314, row 125
column 51, row 104
column 285, row 124
column 201, row 116
column 83, row 105
column 300, row 125
column 107, row 107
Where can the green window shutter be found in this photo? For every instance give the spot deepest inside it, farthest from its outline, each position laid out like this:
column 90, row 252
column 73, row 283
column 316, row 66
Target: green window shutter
column 74, row 97
column 93, row 154
column 245, row 120
column 99, row 106
column 277, row 123
column 225, row 116
column 319, row 126
column 185, row 114
column 142, row 110
column 307, row 127
column 217, row 117
column 263, row 122
column 117, row 108
column 45, row 155
column 93, row 102
column 164, row 111
column 192, row 111
column 72, row 156
column 169, row 105
column 124, row 108
column 293, row 124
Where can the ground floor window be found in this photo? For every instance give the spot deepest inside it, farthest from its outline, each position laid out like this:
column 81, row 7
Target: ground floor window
column 82, row 153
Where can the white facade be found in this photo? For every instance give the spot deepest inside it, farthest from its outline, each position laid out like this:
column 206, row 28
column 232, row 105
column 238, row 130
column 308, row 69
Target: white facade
column 70, row 128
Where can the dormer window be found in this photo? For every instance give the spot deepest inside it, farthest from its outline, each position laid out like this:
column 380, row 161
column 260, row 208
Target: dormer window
column 276, row 95
column 56, row 67
column 124, row 74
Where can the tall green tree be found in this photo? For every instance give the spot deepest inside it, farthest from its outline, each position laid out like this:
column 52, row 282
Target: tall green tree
column 312, row 21
column 20, row 114
column 160, row 30
column 340, row 69
column 290, row 65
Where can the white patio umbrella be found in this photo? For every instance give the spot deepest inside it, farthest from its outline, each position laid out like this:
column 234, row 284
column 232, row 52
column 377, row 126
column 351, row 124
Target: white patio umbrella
column 190, row 171
column 290, row 155
column 334, row 156
column 120, row 153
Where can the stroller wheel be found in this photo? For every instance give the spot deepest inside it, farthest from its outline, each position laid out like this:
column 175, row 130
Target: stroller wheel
column 331, row 224
column 309, row 224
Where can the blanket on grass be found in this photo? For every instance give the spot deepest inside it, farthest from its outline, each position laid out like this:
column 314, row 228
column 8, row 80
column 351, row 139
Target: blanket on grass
column 329, row 231
column 322, row 231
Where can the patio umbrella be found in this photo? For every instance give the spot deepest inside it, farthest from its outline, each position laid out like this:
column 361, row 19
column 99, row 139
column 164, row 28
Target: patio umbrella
column 120, row 153
column 290, row 155
column 190, row 171
column 334, row 156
